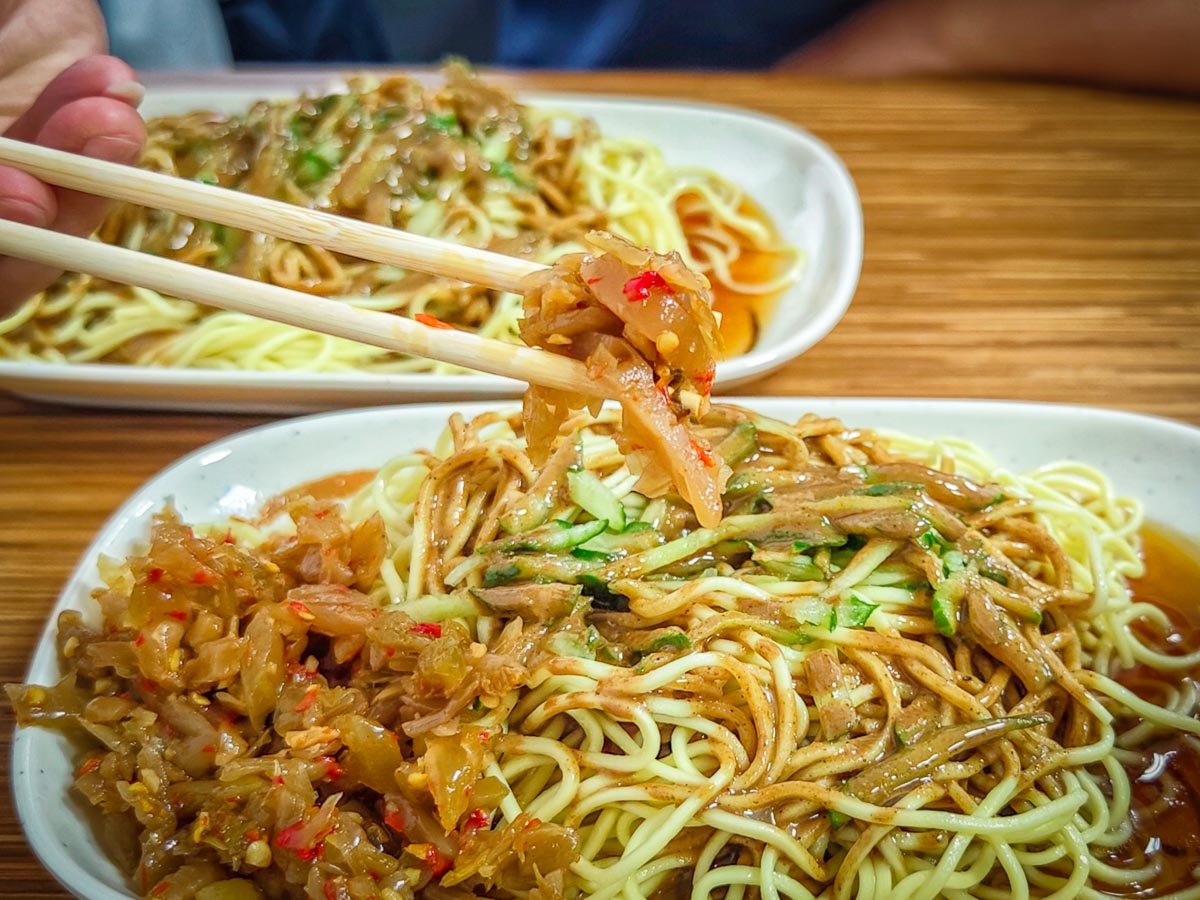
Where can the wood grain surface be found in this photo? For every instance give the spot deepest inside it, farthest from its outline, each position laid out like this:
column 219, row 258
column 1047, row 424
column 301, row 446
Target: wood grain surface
column 1022, row 242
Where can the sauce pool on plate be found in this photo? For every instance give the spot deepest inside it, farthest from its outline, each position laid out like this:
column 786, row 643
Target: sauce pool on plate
column 1165, row 802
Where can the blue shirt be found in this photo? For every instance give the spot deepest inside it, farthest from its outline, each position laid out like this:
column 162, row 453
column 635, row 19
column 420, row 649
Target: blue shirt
column 564, row 34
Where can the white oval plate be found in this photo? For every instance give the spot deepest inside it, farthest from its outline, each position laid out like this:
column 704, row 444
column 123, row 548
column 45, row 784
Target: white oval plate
column 1152, row 459
column 801, row 184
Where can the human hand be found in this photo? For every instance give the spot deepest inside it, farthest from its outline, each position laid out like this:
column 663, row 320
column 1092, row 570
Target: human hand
column 57, row 91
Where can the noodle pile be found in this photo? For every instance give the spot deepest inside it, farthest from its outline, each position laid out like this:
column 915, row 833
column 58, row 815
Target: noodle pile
column 464, row 162
column 889, row 671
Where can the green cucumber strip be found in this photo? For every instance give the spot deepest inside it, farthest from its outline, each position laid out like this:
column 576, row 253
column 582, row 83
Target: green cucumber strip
column 497, row 575
column 739, row 444
column 742, row 483
column 636, row 537
column 553, row 538
column 538, row 568
column 812, row 611
column 998, row 577
column 765, row 527
column 944, row 604
column 438, row 607
column 930, row 539
column 953, row 561
column 564, row 643
column 446, row 123
column 885, row 488
column 855, row 612
column 535, row 513
column 654, row 512
column 675, row 641
column 592, row 555
column 799, row 570
column 592, row 495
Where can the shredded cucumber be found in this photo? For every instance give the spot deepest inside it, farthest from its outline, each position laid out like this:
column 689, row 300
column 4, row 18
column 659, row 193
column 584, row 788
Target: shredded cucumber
column 552, row 538
column 593, row 496
column 739, row 444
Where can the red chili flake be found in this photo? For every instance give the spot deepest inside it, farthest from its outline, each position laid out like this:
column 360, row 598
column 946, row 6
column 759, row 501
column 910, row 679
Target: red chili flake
column 389, row 652
column 154, row 576
column 178, row 615
column 309, row 698
column 429, row 629
column 394, row 821
column 252, row 834
column 703, row 453
column 145, row 685
column 320, row 513
column 333, row 769
column 310, row 853
column 161, row 888
column 704, row 379
column 484, row 737
column 277, row 779
column 289, row 838
column 665, row 391
column 88, row 767
column 209, row 748
column 593, row 280
column 432, row 321
column 478, row 819
column 203, row 577
column 228, row 539
column 532, row 823
column 301, row 610
column 438, row 861
column 330, row 889
column 139, row 640
column 639, row 287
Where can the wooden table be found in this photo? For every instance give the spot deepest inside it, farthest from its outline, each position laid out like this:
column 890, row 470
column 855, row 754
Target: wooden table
column 1022, row 242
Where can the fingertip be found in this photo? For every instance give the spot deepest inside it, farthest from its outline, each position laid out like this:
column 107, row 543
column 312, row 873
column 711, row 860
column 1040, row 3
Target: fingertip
column 94, row 76
column 91, row 77
column 129, row 92
column 25, row 199
column 96, row 126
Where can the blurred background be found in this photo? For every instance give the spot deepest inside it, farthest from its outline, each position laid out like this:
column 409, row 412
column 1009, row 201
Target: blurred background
column 1148, row 44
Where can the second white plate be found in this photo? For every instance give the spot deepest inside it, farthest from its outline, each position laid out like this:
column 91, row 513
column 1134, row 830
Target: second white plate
column 800, row 183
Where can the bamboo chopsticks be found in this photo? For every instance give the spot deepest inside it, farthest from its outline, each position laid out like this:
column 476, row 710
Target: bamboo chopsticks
column 259, row 214
column 267, row 301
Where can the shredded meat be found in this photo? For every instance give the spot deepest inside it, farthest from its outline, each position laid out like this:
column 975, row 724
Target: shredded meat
column 827, row 681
